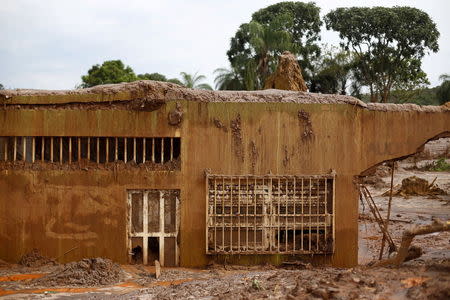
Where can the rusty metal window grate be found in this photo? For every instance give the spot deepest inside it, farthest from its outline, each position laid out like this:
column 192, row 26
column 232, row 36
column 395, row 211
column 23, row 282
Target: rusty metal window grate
column 270, row 214
column 100, row 150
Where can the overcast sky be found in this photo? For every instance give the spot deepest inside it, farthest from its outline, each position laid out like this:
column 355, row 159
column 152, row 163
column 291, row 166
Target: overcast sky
column 49, row 44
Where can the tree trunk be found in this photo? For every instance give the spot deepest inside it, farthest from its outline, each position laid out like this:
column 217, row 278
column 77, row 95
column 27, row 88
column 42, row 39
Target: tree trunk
column 408, row 236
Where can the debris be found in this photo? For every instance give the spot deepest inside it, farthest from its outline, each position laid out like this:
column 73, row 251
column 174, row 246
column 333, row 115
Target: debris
column 388, row 216
column 416, row 186
column 413, row 281
column 86, row 272
column 297, row 264
column 35, row 259
column 408, row 236
column 236, row 130
column 256, row 284
column 365, row 194
column 157, row 269
column 176, row 115
column 305, row 119
column 287, row 76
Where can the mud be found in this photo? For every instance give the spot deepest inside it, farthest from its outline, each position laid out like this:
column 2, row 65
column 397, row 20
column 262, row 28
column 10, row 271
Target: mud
column 286, row 156
column 287, row 76
column 253, row 155
column 84, row 164
column 236, row 131
column 427, row 277
column 160, row 92
column 416, row 186
column 35, row 259
column 305, row 121
column 176, row 115
column 220, row 125
column 86, row 272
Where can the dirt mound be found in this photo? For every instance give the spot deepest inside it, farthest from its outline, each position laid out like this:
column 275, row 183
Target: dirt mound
column 35, row 259
column 86, row 272
column 376, row 175
column 416, row 186
column 287, row 76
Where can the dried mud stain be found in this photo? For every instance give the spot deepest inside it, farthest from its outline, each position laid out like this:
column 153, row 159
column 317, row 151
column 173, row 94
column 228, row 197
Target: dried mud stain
column 85, row 165
column 236, row 131
column 305, row 120
column 286, row 156
column 175, row 116
column 253, row 154
column 220, row 125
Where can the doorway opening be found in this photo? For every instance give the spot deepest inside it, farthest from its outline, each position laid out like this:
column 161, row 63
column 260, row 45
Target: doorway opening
column 153, row 225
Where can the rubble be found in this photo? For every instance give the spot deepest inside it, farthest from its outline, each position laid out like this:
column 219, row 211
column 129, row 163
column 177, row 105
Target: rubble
column 34, row 259
column 86, row 272
column 416, row 186
column 287, row 76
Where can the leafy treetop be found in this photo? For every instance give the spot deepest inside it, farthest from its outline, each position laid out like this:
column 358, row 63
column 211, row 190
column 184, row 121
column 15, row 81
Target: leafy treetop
column 389, row 44
column 111, row 71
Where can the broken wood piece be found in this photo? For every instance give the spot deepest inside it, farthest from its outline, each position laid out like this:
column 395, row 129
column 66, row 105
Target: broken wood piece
column 157, row 269
column 388, row 216
column 365, row 194
column 408, row 236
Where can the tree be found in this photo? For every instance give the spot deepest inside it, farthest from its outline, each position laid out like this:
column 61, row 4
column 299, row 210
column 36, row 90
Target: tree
column 157, row 77
column 193, row 81
column 389, row 44
column 152, row 76
column 228, row 79
column 255, row 48
column 1, row 87
column 332, row 71
column 111, row 71
column 443, row 91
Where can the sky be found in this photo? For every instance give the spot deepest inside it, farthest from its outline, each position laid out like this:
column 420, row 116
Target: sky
column 50, row 44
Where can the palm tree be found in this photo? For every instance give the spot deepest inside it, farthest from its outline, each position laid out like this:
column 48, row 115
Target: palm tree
column 228, row 79
column 268, row 42
column 193, row 81
column 444, row 77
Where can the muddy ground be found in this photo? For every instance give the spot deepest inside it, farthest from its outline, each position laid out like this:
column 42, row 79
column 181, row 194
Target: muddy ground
column 427, row 277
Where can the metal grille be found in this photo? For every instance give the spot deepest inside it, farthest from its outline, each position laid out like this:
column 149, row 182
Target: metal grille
column 270, row 214
column 94, row 149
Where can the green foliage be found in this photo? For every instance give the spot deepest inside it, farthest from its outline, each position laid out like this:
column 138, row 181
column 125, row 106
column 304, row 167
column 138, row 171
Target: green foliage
column 152, row 76
column 302, row 23
column 441, row 165
column 157, row 77
column 114, row 71
column 255, row 48
column 389, row 44
column 420, row 95
column 443, row 91
column 1, row 87
column 193, row 81
column 228, row 79
column 111, row 71
column 333, row 71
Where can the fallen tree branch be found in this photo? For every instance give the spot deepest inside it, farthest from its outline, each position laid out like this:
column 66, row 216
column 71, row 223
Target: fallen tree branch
column 408, row 236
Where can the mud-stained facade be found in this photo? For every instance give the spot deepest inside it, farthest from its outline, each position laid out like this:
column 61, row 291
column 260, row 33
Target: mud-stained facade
column 155, row 147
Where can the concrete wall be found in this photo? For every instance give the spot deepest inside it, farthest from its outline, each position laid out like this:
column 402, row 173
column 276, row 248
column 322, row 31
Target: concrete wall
column 55, row 210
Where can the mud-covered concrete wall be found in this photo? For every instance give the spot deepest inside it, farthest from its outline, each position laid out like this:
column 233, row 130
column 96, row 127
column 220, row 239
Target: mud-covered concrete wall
column 56, row 210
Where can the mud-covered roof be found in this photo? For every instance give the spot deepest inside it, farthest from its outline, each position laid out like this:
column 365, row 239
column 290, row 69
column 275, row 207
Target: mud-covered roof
column 155, row 91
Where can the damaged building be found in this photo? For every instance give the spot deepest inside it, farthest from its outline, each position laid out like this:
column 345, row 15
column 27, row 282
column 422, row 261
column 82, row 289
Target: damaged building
column 149, row 171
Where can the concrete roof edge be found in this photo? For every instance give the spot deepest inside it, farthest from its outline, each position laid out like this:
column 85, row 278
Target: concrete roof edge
column 165, row 91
